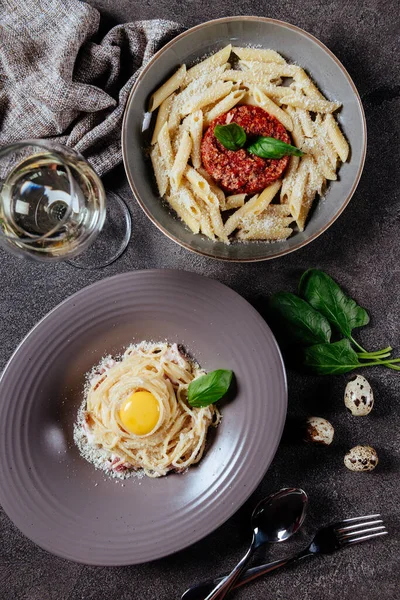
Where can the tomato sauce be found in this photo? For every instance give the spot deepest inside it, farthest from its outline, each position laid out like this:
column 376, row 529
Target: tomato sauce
column 238, row 171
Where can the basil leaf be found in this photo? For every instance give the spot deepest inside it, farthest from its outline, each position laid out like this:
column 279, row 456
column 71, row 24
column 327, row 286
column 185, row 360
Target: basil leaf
column 207, row 389
column 231, row 136
column 331, row 359
column 328, row 298
column 268, row 147
column 299, row 320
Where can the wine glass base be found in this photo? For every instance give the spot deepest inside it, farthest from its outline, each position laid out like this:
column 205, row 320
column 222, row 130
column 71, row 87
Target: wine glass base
column 112, row 239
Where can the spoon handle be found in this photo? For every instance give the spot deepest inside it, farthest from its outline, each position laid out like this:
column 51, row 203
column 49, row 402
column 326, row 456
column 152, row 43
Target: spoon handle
column 199, row 591
column 223, row 587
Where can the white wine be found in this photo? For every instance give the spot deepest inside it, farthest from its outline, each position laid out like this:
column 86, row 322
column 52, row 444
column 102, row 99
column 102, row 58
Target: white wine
column 52, row 205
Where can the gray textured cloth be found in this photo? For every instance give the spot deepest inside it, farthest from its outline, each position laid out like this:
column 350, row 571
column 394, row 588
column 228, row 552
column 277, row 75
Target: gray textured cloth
column 57, row 79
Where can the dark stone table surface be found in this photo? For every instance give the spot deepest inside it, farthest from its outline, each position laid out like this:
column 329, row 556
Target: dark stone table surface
column 361, row 250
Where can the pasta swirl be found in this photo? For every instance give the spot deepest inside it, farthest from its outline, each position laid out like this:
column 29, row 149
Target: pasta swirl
column 177, row 440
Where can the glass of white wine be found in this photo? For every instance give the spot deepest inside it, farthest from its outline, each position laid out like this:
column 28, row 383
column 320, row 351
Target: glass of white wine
column 53, row 207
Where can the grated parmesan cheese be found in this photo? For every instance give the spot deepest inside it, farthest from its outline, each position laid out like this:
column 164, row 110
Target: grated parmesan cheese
column 99, row 457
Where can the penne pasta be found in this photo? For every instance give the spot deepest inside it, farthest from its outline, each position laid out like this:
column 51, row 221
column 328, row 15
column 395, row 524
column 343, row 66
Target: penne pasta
column 264, row 230
column 213, row 187
column 311, row 104
column 245, row 77
column 273, row 91
column 175, row 114
column 306, row 122
column 191, row 221
column 336, row 137
column 297, row 130
column 298, row 191
column 272, row 224
column 315, row 148
column 205, row 227
column 276, row 210
column 189, row 202
column 325, row 143
column 160, row 171
column 305, row 208
column 314, row 185
column 209, row 95
column 164, row 143
column 254, row 206
column 201, row 188
column 276, row 70
column 234, row 201
column 196, row 132
column 287, row 182
column 162, row 116
column 269, row 105
column 234, row 220
column 316, row 180
column 223, row 106
column 248, row 98
column 268, row 195
column 258, row 54
column 217, row 224
column 207, row 65
column 206, row 80
column 307, row 85
column 172, row 84
column 176, row 136
column 181, row 160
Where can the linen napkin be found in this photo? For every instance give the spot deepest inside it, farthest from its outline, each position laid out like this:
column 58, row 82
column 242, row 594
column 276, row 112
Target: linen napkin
column 59, row 80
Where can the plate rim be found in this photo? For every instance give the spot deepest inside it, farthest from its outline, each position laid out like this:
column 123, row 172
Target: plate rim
column 249, row 490
column 124, row 132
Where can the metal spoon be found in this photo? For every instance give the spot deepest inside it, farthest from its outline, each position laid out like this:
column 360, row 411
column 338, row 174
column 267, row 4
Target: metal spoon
column 274, row 519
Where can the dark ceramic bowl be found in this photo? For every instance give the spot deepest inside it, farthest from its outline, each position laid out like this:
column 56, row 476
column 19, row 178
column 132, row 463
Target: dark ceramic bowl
column 297, row 46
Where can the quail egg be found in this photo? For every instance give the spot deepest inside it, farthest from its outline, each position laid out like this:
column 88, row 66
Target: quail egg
column 361, row 458
column 358, row 396
column 319, row 431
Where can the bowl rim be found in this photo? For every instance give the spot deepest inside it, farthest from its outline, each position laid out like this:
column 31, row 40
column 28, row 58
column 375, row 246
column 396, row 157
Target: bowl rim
column 165, row 48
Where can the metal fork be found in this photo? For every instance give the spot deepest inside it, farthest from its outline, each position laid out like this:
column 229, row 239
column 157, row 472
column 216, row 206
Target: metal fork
column 327, row 540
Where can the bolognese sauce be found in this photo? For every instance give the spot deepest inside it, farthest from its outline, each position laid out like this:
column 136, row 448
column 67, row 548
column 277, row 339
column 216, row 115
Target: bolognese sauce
column 239, row 171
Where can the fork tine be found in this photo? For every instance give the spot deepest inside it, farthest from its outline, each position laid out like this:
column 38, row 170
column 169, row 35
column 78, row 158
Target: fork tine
column 350, row 534
column 356, row 525
column 353, row 519
column 347, row 542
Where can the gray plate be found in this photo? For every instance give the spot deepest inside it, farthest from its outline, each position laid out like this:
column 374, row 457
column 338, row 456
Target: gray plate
column 297, row 46
column 57, row 498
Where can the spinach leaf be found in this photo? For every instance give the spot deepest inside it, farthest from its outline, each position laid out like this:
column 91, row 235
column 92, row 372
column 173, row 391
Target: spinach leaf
column 268, row 147
column 331, row 359
column 324, row 294
column 299, row 320
column 207, row 389
column 231, row 136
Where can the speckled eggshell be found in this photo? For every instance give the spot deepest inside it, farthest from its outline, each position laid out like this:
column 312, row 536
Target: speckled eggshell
column 361, row 458
column 358, row 396
column 319, row 431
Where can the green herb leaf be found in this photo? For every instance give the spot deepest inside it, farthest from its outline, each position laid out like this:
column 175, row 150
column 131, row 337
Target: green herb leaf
column 231, row 136
column 210, row 388
column 331, row 359
column 299, row 320
column 328, row 298
column 268, row 147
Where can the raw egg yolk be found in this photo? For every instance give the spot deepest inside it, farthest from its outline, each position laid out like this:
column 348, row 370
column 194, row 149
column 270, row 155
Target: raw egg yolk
column 139, row 414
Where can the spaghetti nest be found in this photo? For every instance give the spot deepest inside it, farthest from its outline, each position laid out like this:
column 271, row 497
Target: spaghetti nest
column 178, row 440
